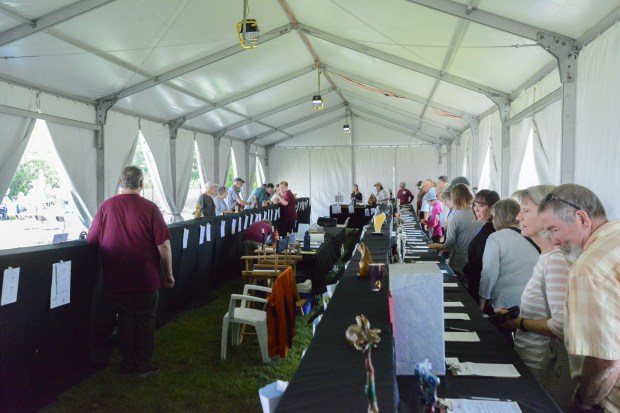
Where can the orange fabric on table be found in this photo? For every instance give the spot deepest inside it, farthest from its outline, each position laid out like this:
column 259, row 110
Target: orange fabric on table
column 281, row 314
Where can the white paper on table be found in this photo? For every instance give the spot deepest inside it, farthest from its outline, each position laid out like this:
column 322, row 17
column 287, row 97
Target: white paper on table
column 453, row 304
column 208, row 232
column 245, row 222
column 60, row 293
column 233, row 227
column 482, row 406
column 185, row 237
column 450, row 284
column 10, row 284
column 223, row 229
column 462, row 336
column 351, row 209
column 487, row 370
column 201, row 237
column 367, row 212
column 336, row 209
column 456, row 316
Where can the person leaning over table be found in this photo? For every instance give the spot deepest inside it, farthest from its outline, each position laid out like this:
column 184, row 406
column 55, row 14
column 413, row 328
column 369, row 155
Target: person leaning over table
column 483, row 201
column 205, row 200
column 462, row 228
column 234, row 194
column 260, row 196
column 356, row 195
column 507, row 261
column 381, row 195
column 253, row 236
column 576, row 221
column 539, row 335
column 221, row 207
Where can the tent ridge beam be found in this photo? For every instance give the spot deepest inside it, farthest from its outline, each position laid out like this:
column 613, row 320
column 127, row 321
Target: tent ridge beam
column 407, row 95
column 245, row 94
column 49, row 20
column 189, row 67
column 390, row 126
column 482, row 17
column 303, row 132
column 399, row 61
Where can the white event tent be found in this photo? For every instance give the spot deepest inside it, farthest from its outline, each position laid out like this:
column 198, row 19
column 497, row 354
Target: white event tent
column 429, row 87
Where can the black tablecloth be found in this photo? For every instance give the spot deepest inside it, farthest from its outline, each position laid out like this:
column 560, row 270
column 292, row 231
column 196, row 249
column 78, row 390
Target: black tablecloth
column 316, row 266
column 360, row 217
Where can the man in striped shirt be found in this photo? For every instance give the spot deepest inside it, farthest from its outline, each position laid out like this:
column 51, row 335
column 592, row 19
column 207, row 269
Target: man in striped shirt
column 576, row 221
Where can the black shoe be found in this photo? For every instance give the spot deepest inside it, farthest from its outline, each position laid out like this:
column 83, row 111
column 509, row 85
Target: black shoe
column 145, row 372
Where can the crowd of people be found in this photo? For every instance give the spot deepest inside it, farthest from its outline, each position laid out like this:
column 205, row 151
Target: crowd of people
column 551, row 251
column 221, row 200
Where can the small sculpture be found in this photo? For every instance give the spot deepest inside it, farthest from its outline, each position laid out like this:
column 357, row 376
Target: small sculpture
column 426, row 386
column 363, row 338
column 365, row 259
column 378, row 222
column 372, row 200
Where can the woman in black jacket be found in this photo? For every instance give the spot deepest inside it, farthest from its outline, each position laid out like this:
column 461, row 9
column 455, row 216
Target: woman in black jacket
column 483, row 201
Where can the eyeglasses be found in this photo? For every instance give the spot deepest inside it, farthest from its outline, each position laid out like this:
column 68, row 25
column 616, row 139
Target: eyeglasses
column 551, row 197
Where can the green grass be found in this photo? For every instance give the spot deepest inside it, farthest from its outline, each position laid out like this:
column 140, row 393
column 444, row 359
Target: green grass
column 192, row 377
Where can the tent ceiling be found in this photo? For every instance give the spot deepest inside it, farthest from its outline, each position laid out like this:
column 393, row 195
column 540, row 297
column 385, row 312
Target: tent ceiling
column 181, row 59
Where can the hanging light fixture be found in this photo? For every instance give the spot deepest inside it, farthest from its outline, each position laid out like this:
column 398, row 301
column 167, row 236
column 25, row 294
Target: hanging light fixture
column 247, row 29
column 346, row 128
column 317, row 100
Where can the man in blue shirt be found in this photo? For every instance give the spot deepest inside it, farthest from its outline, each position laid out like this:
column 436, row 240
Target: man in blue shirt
column 260, row 195
column 234, row 194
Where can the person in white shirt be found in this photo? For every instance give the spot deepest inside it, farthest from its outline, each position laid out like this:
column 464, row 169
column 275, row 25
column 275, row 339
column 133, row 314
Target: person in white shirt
column 381, row 195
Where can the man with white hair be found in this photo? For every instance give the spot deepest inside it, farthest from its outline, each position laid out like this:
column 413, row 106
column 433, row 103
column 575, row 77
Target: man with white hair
column 205, row 200
column 576, row 221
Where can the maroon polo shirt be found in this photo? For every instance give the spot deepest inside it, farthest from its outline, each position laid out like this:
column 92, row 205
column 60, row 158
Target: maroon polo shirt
column 128, row 229
column 288, row 213
column 255, row 231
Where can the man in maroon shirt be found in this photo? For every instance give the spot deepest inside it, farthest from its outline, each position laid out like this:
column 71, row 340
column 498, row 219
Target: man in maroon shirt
column 288, row 210
column 133, row 241
column 404, row 195
column 253, row 236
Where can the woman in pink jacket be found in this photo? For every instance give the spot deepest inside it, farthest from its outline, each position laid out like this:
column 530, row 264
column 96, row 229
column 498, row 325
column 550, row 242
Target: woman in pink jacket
column 432, row 222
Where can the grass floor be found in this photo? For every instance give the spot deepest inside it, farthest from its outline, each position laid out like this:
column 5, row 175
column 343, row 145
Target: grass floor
column 192, row 377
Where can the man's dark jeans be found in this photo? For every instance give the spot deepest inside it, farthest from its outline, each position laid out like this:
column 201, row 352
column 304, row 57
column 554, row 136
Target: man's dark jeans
column 136, row 324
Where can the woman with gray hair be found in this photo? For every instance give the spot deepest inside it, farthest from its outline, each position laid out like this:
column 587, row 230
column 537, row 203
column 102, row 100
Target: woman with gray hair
column 508, row 259
column 539, row 335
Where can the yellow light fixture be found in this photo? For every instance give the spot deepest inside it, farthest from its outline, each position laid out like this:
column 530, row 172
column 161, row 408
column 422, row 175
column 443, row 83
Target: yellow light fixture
column 247, row 29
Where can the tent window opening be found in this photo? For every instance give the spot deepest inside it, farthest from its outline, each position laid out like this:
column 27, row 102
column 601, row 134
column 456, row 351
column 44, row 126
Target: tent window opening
column 528, row 176
column 485, row 175
column 231, row 170
column 196, row 186
column 260, row 173
column 38, row 203
column 143, row 158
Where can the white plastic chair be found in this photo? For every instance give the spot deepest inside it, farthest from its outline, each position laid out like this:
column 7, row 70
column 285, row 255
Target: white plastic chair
column 238, row 315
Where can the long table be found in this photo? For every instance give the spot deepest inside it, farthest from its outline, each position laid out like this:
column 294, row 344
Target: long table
column 332, row 375
column 315, row 266
column 357, row 219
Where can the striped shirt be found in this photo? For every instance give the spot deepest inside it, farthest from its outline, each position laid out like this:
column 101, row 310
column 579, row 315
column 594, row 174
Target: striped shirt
column 540, row 302
column 592, row 313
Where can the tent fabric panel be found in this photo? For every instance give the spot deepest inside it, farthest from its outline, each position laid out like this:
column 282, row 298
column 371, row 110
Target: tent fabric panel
column 293, row 166
column 216, row 119
column 484, row 44
column 160, row 102
column 548, row 143
column 120, row 135
column 330, row 175
column 15, row 138
column 76, row 148
column 324, row 135
column 336, row 117
column 184, row 154
column 368, row 133
column 58, row 65
column 570, row 18
column 596, row 163
column 248, row 131
column 415, row 164
column 302, row 110
column 372, row 165
column 458, row 97
column 206, row 157
column 239, row 72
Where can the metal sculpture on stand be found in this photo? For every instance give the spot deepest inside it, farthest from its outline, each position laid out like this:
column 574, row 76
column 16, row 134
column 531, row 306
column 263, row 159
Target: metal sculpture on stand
column 363, row 338
column 426, row 386
column 365, row 260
